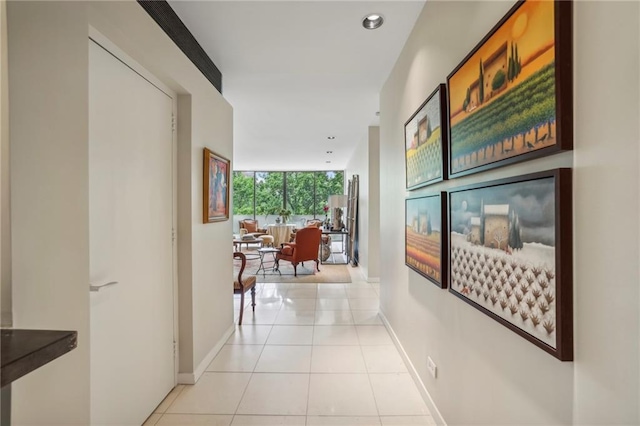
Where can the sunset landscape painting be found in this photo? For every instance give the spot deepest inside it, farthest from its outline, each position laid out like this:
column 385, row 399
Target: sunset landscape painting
column 503, row 98
column 424, row 237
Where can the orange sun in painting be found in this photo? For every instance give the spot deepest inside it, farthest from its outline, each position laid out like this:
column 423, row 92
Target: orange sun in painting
column 519, row 26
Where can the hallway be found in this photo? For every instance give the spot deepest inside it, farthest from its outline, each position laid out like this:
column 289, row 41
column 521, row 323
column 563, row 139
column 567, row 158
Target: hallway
column 311, row 355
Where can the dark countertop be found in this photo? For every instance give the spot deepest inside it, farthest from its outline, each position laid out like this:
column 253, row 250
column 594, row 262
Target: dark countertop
column 23, row 351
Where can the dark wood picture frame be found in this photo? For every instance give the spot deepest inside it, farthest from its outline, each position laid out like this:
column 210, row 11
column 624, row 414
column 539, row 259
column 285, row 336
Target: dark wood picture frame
column 516, row 286
column 215, row 187
column 497, row 125
column 426, row 163
column 418, row 237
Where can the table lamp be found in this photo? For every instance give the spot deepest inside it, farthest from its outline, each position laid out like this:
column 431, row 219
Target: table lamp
column 336, row 203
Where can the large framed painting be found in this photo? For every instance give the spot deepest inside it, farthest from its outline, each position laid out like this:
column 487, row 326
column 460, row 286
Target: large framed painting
column 215, row 187
column 425, row 137
column 511, row 255
column 510, row 99
column 425, row 237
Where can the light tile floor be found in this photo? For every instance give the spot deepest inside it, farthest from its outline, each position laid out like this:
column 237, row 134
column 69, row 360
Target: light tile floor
column 311, row 355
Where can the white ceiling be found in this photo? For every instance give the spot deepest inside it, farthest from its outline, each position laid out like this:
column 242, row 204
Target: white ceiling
column 297, row 72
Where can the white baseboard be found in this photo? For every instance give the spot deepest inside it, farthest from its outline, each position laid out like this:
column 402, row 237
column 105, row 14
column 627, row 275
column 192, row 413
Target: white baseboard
column 192, row 378
column 437, row 416
column 364, row 273
column 186, row 379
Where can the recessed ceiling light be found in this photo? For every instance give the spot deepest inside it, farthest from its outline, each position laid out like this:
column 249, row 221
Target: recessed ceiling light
column 329, row 152
column 331, row 137
column 327, row 161
column 373, row 21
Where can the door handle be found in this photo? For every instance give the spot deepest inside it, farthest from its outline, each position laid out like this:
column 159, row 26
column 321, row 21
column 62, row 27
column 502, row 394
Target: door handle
column 98, row 287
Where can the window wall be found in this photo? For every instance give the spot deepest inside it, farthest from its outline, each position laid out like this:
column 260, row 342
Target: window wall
column 261, row 195
column 269, row 187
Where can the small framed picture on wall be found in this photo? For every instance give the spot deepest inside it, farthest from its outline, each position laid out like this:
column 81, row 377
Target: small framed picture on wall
column 215, row 187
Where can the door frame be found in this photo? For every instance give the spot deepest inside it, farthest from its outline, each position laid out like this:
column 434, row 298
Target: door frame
column 102, row 41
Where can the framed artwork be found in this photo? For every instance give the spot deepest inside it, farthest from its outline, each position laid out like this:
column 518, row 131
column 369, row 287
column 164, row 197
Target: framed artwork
column 425, row 137
column 510, row 99
column 511, row 255
column 215, row 187
column 425, row 237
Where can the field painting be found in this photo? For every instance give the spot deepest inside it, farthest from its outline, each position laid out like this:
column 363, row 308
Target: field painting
column 505, row 256
column 424, row 233
column 504, row 99
column 424, row 134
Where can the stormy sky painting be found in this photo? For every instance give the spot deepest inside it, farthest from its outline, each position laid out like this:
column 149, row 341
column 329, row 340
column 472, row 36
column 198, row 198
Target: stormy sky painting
column 533, row 201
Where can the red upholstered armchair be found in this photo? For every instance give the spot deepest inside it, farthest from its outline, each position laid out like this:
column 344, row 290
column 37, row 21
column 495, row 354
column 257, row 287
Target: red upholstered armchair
column 305, row 247
column 317, row 223
column 252, row 227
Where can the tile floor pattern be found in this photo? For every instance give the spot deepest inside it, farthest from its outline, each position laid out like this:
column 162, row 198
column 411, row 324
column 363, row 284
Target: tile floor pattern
column 310, row 355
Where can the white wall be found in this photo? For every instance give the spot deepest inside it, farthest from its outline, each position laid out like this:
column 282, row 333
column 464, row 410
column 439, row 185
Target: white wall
column 203, row 258
column 5, row 206
column 185, row 245
column 211, row 252
column 486, row 373
column 48, row 84
column 48, row 66
column 206, row 256
column 373, row 273
column 358, row 164
column 606, row 203
column 365, row 163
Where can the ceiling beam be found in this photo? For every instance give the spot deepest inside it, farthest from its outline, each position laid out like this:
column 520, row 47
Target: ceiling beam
column 172, row 25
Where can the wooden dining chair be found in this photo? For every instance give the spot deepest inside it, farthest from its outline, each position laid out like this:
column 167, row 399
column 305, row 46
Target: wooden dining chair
column 242, row 284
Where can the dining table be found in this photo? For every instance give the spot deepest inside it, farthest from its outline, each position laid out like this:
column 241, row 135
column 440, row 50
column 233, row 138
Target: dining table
column 281, row 232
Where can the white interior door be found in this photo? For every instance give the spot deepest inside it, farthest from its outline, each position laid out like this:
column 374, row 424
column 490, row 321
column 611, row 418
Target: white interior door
column 130, row 175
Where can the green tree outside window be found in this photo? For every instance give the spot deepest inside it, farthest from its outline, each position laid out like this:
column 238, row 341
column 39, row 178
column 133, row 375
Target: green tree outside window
column 269, row 193
column 243, row 193
column 327, row 183
column 303, row 193
column 300, row 192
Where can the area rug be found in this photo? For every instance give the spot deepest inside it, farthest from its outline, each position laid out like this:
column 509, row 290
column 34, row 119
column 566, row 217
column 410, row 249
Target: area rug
column 306, row 274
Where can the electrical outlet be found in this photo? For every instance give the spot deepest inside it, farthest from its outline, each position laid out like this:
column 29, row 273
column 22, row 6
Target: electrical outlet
column 431, row 366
